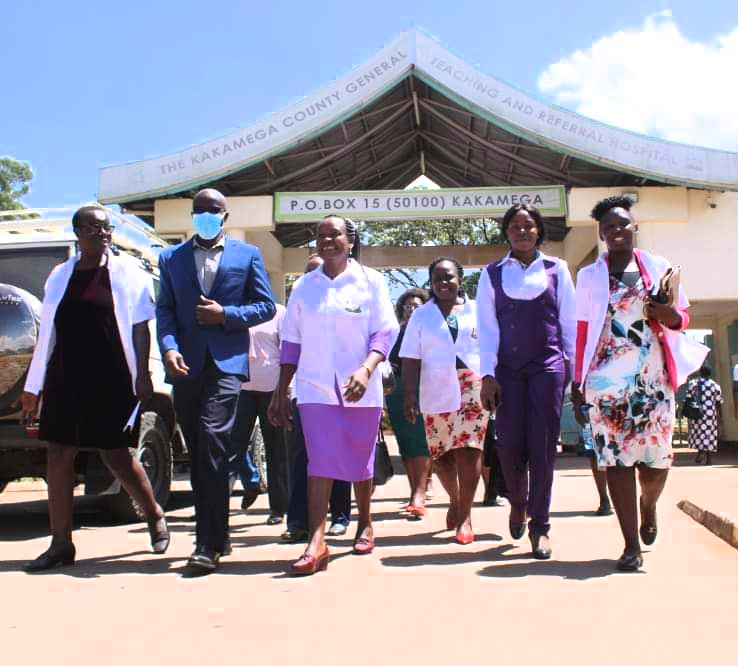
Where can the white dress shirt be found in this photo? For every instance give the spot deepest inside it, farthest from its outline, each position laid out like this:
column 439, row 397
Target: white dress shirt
column 523, row 284
column 428, row 338
column 264, row 353
column 133, row 303
column 333, row 320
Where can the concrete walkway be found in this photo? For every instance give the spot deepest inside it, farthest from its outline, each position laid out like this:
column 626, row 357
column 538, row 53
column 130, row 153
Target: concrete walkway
column 419, row 599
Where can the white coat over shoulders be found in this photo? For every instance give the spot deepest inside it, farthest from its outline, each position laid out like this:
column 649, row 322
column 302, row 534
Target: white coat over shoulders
column 133, row 303
column 428, row 339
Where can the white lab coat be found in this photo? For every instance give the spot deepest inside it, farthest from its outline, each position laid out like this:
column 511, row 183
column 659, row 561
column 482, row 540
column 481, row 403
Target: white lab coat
column 428, row 338
column 133, row 303
column 333, row 320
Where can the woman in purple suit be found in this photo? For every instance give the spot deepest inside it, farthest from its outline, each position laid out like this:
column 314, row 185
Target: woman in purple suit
column 527, row 333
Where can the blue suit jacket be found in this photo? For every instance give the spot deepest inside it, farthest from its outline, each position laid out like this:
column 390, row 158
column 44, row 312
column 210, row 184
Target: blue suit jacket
column 241, row 286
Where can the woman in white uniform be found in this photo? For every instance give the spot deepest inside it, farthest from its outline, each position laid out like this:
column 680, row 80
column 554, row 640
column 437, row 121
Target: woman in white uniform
column 340, row 325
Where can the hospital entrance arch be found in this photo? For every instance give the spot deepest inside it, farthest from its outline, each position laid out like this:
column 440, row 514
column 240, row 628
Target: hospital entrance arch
column 415, row 108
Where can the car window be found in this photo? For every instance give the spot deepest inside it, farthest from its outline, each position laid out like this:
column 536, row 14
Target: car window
column 28, row 268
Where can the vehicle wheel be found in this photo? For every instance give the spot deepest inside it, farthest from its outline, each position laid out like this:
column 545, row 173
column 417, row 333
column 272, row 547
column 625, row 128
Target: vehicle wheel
column 155, row 454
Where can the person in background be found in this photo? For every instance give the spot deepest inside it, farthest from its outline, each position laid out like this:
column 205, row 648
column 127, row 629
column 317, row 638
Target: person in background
column 440, row 372
column 91, row 363
column 527, row 330
column 492, row 475
column 253, row 402
column 212, row 290
column 599, row 475
column 340, row 499
column 410, row 436
column 244, row 468
column 704, row 432
column 626, row 371
column 339, row 327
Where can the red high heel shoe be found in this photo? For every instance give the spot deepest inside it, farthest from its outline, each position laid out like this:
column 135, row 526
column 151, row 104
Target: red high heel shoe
column 363, row 545
column 307, row 565
column 415, row 512
column 465, row 538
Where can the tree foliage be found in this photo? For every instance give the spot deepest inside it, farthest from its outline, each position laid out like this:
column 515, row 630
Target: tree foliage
column 485, row 231
column 14, row 183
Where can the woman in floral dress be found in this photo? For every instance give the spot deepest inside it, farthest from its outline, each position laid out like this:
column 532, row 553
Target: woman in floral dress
column 440, row 355
column 703, row 432
column 625, row 372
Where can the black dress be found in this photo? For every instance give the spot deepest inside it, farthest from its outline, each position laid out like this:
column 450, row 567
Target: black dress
column 88, row 395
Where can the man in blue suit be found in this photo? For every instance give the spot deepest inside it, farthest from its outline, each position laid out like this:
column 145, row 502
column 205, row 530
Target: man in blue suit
column 212, row 289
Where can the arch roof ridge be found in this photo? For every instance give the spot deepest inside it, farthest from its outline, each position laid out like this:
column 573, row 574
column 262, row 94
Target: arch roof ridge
column 415, row 51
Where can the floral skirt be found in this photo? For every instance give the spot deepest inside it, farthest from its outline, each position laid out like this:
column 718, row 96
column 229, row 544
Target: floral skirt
column 465, row 428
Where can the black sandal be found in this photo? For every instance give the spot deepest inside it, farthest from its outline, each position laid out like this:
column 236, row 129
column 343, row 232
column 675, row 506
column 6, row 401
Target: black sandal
column 159, row 533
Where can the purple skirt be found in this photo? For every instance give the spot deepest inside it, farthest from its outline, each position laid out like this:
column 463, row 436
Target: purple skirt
column 340, row 441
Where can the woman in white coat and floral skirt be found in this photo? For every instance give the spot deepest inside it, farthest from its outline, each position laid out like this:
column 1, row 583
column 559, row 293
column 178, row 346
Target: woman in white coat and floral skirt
column 440, row 354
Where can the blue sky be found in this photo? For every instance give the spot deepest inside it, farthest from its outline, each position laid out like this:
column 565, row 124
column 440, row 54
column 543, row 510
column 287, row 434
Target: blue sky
column 87, row 84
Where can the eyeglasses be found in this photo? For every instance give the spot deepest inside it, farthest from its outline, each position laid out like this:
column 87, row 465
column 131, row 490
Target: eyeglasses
column 94, row 229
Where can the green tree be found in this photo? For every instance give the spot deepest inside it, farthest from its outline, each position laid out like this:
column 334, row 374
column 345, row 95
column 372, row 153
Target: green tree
column 484, row 231
column 14, row 183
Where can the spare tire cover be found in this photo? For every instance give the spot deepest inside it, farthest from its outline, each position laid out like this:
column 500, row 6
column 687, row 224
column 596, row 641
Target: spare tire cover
column 20, row 315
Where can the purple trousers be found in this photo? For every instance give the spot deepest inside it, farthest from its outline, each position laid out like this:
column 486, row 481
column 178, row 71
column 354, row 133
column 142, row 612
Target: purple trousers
column 528, row 423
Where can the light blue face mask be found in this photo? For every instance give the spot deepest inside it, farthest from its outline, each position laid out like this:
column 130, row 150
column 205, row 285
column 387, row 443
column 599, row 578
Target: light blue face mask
column 207, row 225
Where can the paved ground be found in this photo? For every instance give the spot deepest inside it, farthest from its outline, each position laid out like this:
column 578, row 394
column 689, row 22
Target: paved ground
column 420, row 598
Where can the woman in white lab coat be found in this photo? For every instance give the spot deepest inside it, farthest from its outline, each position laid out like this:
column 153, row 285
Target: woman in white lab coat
column 91, row 363
column 440, row 356
column 340, row 325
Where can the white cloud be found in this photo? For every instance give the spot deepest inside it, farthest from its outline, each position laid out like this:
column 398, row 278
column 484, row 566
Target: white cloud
column 655, row 81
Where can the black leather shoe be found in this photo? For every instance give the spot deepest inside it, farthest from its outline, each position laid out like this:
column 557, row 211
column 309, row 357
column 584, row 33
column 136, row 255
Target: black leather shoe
column 204, row 558
column 541, row 549
column 249, row 497
column 605, row 509
column 517, row 530
column 59, row 557
column 294, row 536
column 159, row 533
column 275, row 519
column 227, row 548
column 648, row 534
column 629, row 562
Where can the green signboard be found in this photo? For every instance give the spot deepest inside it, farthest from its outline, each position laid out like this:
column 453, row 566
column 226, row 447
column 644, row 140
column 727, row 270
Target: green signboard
column 392, row 205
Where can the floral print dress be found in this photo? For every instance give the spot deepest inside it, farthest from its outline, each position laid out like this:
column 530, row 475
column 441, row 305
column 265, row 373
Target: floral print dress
column 632, row 413
column 465, row 428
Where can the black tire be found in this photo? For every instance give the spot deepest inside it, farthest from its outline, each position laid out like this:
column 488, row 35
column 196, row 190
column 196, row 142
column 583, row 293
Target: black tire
column 155, row 454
